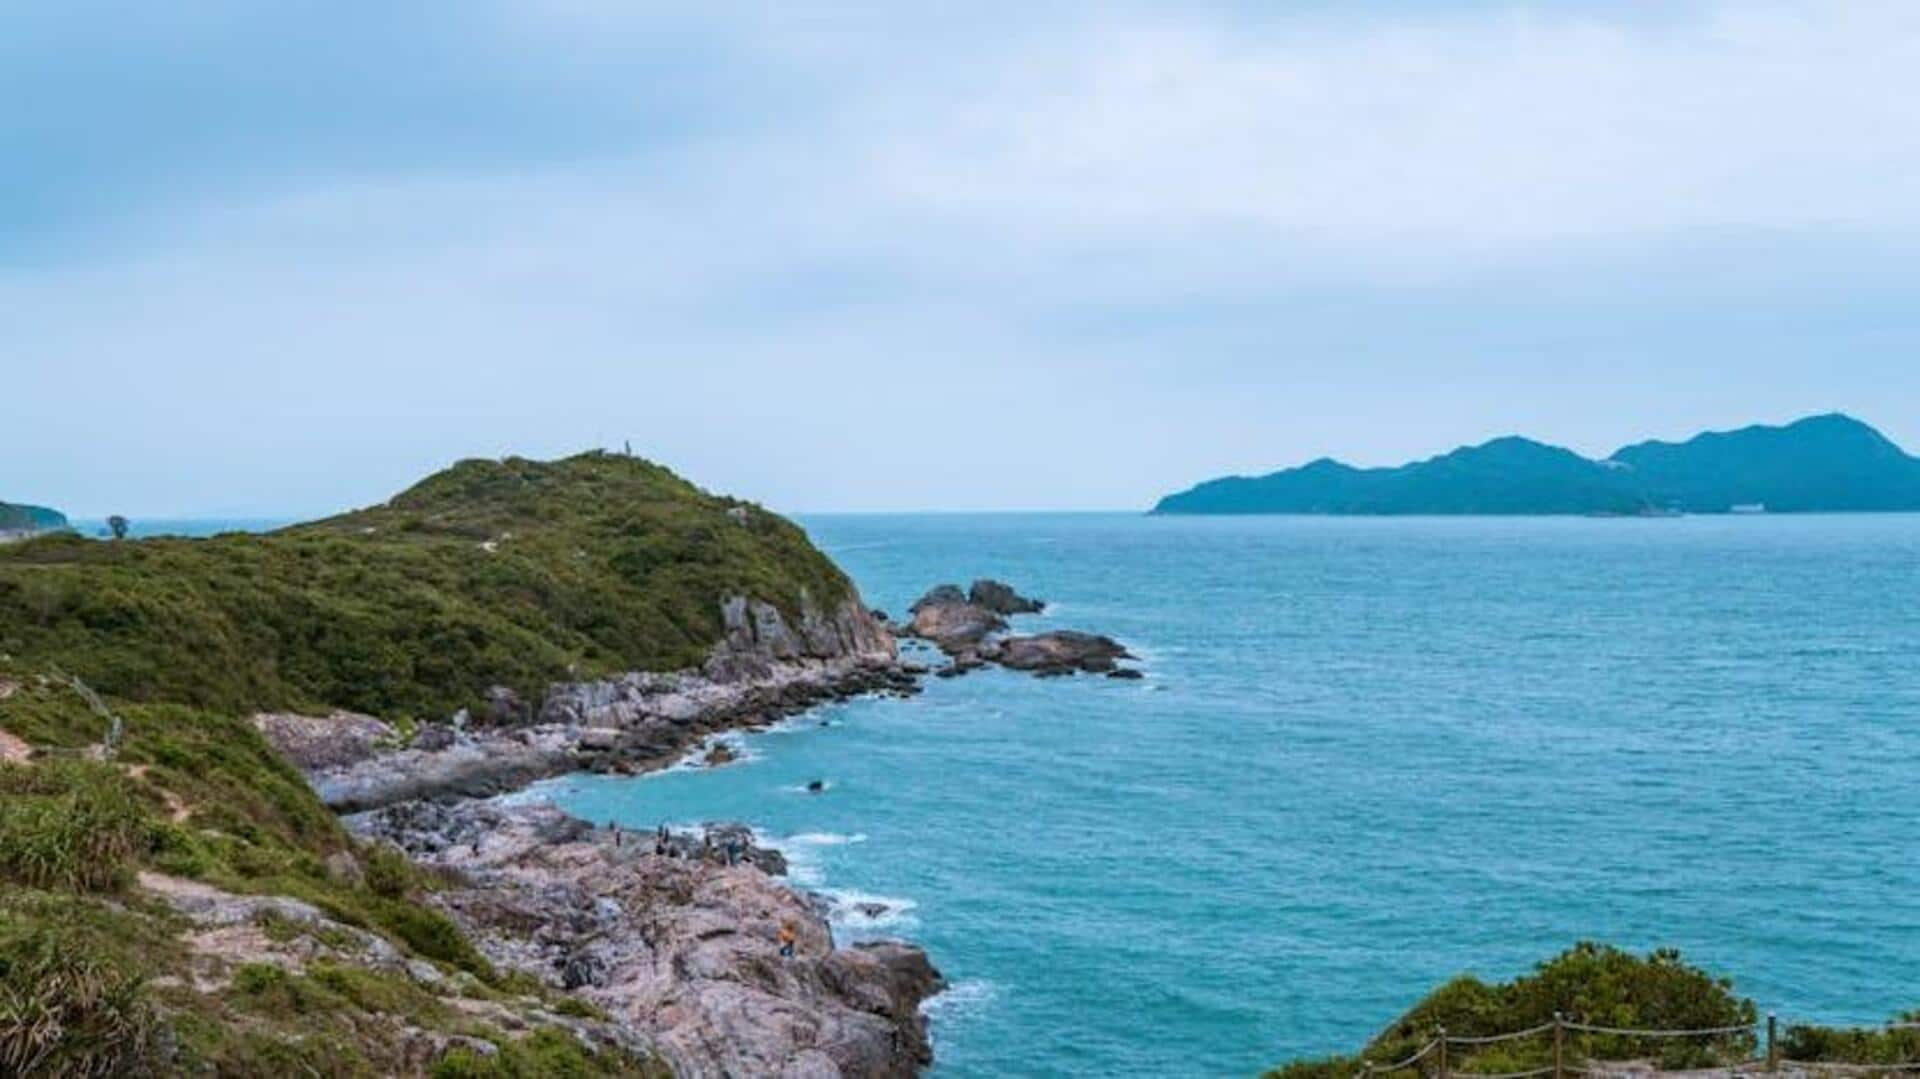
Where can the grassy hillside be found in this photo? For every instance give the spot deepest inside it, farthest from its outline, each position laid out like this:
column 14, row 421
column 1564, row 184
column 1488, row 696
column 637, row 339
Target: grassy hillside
column 510, row 573
column 491, row 573
column 98, row 976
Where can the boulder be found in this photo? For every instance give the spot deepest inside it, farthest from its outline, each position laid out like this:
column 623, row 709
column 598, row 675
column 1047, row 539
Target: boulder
column 505, row 708
column 1061, row 652
column 1000, row 598
column 956, row 626
column 940, row 595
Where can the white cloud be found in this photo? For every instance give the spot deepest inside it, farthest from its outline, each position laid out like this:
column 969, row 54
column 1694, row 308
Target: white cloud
column 901, row 254
column 1500, row 134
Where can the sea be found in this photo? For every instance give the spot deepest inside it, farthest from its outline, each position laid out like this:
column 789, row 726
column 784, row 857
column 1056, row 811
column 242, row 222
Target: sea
column 1368, row 754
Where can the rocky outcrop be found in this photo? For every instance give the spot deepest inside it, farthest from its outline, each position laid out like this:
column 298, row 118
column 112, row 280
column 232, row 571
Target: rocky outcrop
column 1060, row 652
column 954, row 626
column 764, row 668
column 677, row 937
column 970, row 628
column 225, row 933
column 1000, row 598
column 319, row 742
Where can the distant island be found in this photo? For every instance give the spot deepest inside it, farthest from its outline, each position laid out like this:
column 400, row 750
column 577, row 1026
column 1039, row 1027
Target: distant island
column 18, row 521
column 1831, row 463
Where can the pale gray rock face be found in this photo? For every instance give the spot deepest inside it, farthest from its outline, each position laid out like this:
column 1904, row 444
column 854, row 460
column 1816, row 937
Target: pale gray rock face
column 680, row 940
column 331, row 741
column 763, row 668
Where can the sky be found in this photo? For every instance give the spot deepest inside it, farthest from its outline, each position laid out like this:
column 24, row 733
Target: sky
column 285, row 259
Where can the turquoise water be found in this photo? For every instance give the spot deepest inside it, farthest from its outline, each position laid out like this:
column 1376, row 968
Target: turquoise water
column 1371, row 754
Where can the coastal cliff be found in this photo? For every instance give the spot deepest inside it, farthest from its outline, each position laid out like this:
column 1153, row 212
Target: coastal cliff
column 178, row 716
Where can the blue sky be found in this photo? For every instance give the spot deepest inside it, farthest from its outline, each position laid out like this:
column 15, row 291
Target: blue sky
column 283, row 259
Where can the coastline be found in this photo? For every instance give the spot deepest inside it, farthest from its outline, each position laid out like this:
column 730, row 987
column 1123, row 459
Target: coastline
column 679, row 939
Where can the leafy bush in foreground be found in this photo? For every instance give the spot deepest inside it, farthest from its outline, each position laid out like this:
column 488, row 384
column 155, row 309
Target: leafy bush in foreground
column 1592, row 984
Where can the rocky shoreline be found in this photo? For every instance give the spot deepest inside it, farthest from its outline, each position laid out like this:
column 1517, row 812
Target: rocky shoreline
column 694, row 944
column 678, row 936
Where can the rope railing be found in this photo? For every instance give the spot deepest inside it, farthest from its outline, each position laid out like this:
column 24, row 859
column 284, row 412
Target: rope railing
column 1493, row 1039
column 1560, row 1026
column 1703, row 1032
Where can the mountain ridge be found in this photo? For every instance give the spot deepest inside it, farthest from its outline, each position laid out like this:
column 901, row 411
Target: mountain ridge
column 1823, row 463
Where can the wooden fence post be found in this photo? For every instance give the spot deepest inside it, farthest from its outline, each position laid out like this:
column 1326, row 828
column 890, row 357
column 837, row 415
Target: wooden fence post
column 1773, row 1051
column 1442, row 1036
column 1559, row 1047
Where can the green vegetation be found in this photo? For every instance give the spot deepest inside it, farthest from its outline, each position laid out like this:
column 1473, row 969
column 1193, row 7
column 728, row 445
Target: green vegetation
column 197, row 794
column 514, row 573
column 72, row 990
column 1599, row 986
column 1899, row 1043
column 545, row 1054
column 510, row 573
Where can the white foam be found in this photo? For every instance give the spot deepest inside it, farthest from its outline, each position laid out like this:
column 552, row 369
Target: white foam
column 959, row 1000
column 695, row 759
column 844, row 910
column 826, row 839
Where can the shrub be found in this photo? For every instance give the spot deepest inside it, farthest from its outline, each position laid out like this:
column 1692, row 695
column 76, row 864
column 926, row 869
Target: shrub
column 66, row 1009
column 71, row 825
column 544, row 1054
column 388, row 871
column 1592, row 984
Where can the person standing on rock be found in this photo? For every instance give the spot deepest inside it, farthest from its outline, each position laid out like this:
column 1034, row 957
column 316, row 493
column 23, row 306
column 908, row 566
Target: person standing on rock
column 787, row 939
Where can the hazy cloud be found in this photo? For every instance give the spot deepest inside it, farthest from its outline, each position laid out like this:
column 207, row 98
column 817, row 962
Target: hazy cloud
column 261, row 259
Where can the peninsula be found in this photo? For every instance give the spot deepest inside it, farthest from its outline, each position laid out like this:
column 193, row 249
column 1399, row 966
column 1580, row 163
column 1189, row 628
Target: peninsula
column 179, row 719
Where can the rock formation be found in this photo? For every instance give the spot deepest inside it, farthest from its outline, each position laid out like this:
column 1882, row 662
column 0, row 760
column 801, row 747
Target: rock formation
column 1060, row 652
column 679, row 938
column 970, row 628
column 763, row 670
column 1001, row 598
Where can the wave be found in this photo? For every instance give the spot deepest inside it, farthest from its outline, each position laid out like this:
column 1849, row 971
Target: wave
column 958, row 1001
column 695, row 759
column 826, row 839
column 857, row 911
